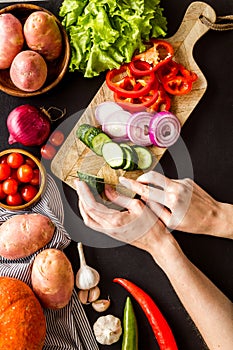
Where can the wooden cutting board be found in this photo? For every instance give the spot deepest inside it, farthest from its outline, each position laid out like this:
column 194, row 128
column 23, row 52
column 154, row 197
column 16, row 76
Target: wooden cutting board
column 74, row 155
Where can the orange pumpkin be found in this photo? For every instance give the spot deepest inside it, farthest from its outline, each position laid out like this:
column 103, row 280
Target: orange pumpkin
column 22, row 321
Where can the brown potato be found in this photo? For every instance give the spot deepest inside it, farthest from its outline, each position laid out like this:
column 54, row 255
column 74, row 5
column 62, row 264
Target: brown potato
column 52, row 278
column 43, row 35
column 28, row 70
column 12, row 39
column 24, row 234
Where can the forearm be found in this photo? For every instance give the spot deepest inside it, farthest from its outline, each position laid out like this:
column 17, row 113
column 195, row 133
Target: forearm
column 208, row 307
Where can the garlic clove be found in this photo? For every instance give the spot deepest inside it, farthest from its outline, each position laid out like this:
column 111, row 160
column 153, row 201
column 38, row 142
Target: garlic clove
column 86, row 277
column 93, row 294
column 101, row 305
column 83, row 296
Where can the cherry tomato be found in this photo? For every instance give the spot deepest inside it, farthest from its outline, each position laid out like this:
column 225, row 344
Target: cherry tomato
column 13, row 174
column 30, row 162
column 14, row 160
column 5, row 171
column 57, row 138
column 25, row 173
column 14, row 199
column 10, row 186
column 48, row 151
column 4, row 159
column 35, row 181
column 28, row 192
column 2, row 193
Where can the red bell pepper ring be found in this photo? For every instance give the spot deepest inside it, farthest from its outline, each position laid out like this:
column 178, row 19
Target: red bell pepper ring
column 160, row 53
column 163, row 101
column 190, row 75
column 140, row 103
column 177, row 85
column 168, row 70
column 126, row 84
column 159, row 325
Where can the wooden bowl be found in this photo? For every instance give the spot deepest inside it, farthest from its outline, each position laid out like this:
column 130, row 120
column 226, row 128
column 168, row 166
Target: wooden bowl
column 56, row 68
column 42, row 175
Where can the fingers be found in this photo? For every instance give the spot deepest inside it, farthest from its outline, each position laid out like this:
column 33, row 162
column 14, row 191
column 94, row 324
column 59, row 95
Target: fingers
column 155, row 179
column 147, row 193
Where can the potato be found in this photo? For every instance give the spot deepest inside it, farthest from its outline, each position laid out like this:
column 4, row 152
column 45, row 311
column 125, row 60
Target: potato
column 28, row 70
column 52, row 278
column 12, row 39
column 43, row 35
column 24, row 234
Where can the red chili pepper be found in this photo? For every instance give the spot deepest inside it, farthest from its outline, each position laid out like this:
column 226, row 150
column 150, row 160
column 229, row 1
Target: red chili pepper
column 140, row 103
column 126, row 84
column 163, row 101
column 160, row 327
column 160, row 53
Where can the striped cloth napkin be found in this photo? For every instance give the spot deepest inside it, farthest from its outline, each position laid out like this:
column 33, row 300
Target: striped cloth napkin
column 67, row 328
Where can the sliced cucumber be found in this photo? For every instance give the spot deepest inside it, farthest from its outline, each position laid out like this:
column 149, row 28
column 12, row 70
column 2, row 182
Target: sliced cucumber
column 81, row 131
column 90, row 134
column 144, row 157
column 134, row 156
column 114, row 155
column 97, row 142
column 95, row 183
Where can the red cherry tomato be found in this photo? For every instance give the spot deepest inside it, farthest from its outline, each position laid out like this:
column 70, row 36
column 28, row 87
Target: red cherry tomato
column 30, row 162
column 28, row 192
column 4, row 159
column 14, row 199
column 5, row 171
column 57, row 138
column 25, row 173
column 10, row 186
column 2, row 193
column 48, row 151
column 15, row 159
column 35, row 181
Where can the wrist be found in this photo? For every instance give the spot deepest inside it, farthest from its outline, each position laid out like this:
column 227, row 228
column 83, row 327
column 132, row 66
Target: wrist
column 224, row 221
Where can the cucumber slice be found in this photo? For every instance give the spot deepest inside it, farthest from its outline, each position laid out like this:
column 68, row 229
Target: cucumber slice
column 129, row 164
column 144, row 157
column 114, row 155
column 81, row 131
column 97, row 142
column 95, row 183
column 90, row 134
column 134, row 155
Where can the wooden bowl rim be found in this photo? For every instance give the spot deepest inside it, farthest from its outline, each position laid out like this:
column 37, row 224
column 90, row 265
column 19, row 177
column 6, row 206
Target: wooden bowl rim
column 42, row 184
column 67, row 52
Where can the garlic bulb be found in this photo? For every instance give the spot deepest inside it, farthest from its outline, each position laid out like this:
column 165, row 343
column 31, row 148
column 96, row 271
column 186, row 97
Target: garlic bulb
column 107, row 329
column 86, row 277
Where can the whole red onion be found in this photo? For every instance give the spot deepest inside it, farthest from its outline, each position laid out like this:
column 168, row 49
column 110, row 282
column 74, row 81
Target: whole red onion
column 28, row 125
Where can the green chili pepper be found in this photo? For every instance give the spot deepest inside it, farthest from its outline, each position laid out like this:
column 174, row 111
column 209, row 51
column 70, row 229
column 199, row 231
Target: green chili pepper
column 130, row 327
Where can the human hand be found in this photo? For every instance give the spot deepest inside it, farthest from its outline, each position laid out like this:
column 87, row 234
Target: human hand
column 137, row 225
column 182, row 204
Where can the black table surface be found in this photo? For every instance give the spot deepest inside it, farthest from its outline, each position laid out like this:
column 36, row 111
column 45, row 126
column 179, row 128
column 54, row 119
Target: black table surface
column 205, row 154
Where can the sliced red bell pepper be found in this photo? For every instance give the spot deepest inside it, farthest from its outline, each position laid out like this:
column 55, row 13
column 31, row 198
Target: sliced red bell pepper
column 177, row 85
column 140, row 103
column 128, row 85
column 190, row 75
column 163, row 101
column 160, row 53
column 168, row 70
column 159, row 325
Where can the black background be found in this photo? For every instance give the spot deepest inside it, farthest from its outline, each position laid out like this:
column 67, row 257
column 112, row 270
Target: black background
column 208, row 137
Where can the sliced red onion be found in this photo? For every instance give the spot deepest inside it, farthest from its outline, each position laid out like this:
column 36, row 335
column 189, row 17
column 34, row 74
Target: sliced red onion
column 164, row 129
column 104, row 109
column 138, row 128
column 115, row 125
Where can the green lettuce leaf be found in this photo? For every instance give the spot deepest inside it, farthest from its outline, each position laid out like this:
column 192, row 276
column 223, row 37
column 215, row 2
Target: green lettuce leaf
column 104, row 34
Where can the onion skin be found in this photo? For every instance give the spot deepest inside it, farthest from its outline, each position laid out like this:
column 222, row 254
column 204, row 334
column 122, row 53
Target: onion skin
column 28, row 125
